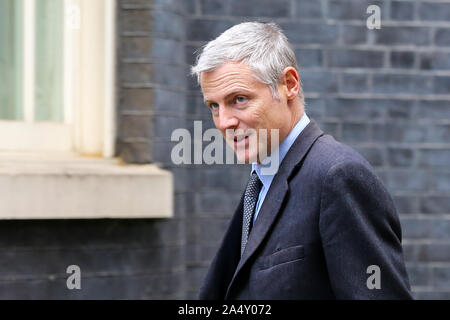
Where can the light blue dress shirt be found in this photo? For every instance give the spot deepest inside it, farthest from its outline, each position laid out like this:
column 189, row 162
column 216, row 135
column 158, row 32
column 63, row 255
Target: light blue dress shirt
column 282, row 150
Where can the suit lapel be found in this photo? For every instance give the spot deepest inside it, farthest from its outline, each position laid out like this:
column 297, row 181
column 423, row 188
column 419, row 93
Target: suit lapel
column 277, row 194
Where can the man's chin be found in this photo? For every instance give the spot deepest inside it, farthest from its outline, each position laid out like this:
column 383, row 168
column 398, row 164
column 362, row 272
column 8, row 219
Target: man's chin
column 246, row 157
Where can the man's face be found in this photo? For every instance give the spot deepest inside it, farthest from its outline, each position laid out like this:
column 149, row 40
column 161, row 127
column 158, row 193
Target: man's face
column 241, row 103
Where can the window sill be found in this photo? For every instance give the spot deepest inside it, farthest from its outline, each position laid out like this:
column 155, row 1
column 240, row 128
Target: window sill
column 67, row 186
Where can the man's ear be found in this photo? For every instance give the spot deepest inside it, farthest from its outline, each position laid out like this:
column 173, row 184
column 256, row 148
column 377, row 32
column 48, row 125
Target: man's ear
column 291, row 82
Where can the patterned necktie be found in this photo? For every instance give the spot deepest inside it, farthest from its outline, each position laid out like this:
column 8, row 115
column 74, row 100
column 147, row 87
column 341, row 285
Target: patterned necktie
column 250, row 198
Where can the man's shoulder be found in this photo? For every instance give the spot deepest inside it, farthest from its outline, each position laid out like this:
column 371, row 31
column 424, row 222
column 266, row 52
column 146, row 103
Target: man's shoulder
column 336, row 165
column 327, row 153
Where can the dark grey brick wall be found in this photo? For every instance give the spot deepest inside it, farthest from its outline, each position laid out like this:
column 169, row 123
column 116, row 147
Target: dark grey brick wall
column 385, row 92
column 119, row 259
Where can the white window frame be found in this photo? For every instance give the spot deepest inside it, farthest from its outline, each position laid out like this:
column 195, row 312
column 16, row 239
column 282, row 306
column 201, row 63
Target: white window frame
column 89, row 82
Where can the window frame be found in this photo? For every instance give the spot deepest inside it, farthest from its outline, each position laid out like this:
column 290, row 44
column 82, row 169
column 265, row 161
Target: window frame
column 89, row 85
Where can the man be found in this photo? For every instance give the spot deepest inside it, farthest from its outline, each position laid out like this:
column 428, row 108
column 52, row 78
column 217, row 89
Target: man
column 323, row 226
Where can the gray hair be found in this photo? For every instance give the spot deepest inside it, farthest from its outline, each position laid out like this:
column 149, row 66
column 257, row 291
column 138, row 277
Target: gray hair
column 263, row 46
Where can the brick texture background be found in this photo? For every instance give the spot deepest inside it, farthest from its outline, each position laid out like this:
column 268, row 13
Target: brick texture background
column 384, row 92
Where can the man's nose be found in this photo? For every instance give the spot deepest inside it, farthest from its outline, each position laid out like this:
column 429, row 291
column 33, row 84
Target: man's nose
column 227, row 119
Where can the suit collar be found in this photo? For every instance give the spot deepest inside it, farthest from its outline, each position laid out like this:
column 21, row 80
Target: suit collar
column 277, row 194
column 299, row 149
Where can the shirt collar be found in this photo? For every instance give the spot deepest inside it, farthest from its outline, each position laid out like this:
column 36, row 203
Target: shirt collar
column 282, row 150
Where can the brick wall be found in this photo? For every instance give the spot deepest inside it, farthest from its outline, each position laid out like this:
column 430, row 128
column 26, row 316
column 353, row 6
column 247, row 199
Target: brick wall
column 119, row 259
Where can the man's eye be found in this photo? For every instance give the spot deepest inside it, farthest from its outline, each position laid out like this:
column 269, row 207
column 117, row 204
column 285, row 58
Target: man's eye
column 213, row 106
column 240, row 99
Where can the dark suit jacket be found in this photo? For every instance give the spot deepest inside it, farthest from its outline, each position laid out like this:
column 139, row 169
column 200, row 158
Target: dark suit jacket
column 325, row 219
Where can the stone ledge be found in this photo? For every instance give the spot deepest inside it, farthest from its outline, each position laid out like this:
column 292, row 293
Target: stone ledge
column 67, row 186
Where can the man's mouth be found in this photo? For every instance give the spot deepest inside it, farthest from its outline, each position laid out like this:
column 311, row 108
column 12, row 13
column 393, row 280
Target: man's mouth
column 240, row 139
